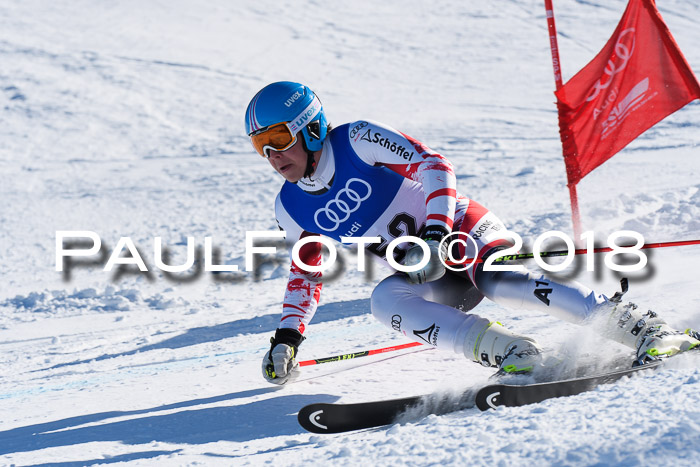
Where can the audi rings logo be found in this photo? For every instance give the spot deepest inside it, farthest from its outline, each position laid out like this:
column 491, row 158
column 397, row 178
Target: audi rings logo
column 347, row 201
column 624, row 48
column 357, row 128
column 396, row 322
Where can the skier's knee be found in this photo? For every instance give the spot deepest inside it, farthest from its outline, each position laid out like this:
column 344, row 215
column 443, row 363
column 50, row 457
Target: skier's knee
column 386, row 294
column 380, row 300
column 486, row 281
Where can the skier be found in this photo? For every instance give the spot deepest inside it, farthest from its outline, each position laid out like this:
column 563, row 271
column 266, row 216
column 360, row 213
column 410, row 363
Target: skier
column 367, row 179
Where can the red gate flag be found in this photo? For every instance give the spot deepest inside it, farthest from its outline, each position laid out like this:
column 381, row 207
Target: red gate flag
column 638, row 78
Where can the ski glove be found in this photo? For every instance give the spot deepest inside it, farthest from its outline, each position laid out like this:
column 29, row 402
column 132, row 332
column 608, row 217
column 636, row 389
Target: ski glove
column 434, row 270
column 279, row 364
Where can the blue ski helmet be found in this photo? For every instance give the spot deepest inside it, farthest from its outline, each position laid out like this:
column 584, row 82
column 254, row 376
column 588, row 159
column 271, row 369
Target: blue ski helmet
column 291, row 103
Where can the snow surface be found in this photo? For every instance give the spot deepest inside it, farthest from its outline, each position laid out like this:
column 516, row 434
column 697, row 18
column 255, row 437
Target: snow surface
column 126, row 118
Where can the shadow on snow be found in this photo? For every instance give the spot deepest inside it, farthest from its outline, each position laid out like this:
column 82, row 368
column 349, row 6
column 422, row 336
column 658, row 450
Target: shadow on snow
column 275, row 416
column 110, row 460
column 258, row 324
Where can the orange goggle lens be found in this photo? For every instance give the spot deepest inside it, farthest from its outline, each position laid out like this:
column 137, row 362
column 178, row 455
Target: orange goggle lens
column 277, row 137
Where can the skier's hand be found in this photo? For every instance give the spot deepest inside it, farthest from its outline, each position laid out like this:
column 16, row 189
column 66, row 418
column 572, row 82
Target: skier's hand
column 435, row 269
column 279, row 364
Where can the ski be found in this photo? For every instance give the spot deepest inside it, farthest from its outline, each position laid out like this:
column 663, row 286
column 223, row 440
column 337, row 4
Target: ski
column 510, row 395
column 338, row 418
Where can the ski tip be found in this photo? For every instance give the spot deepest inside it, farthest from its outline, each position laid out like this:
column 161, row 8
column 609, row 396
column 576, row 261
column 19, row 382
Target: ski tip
column 313, row 418
column 489, row 397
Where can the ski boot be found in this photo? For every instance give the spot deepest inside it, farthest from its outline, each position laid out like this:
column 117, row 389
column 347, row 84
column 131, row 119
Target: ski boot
column 648, row 334
column 661, row 339
column 493, row 345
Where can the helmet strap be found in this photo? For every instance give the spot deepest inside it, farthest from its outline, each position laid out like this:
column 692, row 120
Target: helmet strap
column 310, row 164
column 310, row 160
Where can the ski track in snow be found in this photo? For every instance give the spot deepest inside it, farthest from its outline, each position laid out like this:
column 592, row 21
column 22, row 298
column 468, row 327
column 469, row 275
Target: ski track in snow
column 127, row 119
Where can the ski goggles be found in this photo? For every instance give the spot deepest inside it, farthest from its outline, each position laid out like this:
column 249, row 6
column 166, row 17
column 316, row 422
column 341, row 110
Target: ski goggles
column 278, row 137
column 282, row 136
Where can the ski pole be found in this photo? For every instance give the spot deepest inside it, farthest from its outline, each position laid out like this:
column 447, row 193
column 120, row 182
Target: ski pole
column 581, row 251
column 364, row 353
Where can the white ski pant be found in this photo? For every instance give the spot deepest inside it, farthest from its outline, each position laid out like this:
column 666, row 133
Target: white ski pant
column 435, row 312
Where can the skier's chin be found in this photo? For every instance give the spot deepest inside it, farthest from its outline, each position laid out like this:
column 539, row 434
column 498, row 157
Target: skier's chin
column 290, row 176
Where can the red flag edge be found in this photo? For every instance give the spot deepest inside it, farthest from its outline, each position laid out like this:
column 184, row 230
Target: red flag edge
column 672, row 46
column 569, row 146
